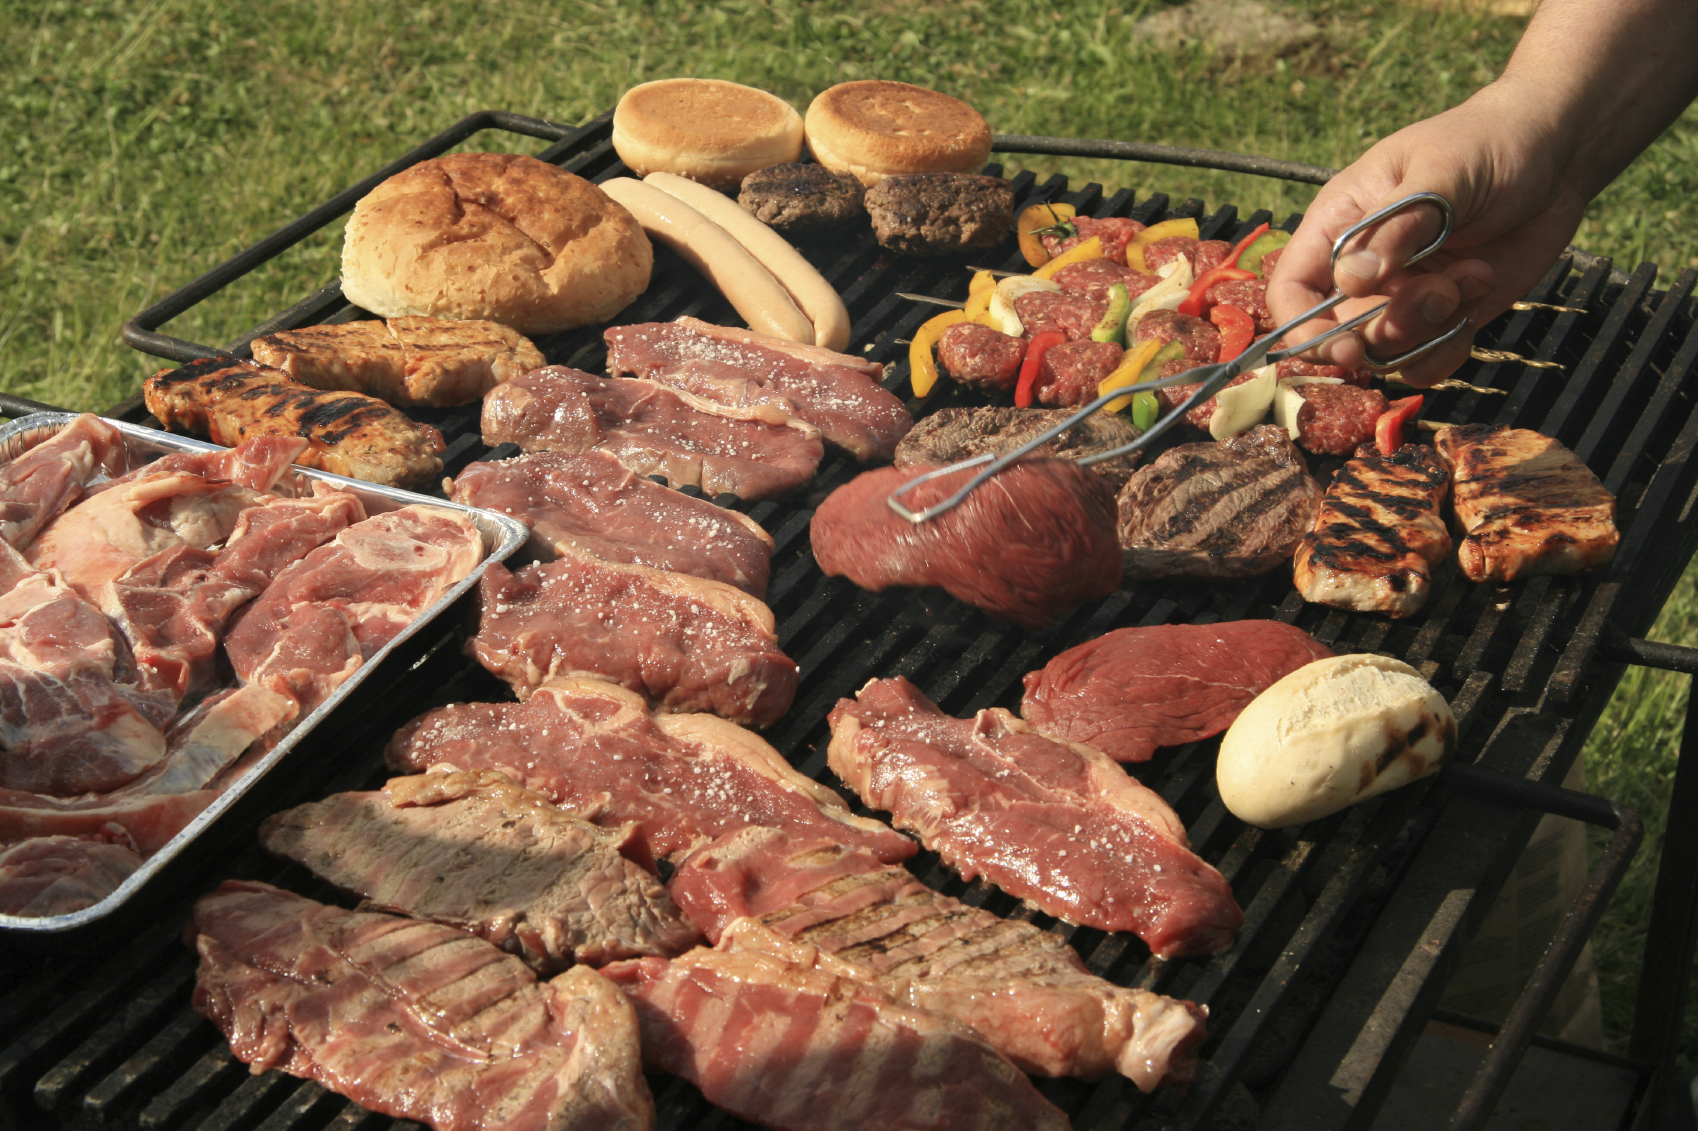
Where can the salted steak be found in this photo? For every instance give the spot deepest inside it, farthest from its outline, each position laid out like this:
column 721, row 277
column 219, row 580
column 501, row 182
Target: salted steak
column 953, row 434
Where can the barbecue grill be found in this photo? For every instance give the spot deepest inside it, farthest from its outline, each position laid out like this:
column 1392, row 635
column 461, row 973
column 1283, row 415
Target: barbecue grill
column 1353, row 923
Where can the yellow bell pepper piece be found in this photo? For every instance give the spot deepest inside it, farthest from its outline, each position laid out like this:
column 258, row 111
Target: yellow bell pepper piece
column 1131, row 367
column 981, row 281
column 922, row 366
column 1167, row 229
column 978, row 305
column 1078, row 253
column 1033, row 218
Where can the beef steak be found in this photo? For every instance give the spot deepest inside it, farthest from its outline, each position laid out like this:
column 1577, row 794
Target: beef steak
column 950, row 435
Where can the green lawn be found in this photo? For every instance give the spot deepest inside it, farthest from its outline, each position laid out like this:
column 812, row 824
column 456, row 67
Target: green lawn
column 141, row 143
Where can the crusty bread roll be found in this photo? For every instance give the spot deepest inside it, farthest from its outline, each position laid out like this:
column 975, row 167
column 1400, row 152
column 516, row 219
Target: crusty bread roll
column 708, row 130
column 874, row 128
column 494, row 236
column 1330, row 734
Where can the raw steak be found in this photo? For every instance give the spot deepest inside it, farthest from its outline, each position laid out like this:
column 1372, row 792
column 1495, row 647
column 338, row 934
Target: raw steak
column 594, row 748
column 1137, row 689
column 148, row 820
column 589, row 504
column 1051, row 822
column 804, row 1050
column 1028, row 544
column 836, row 393
column 1220, row 510
column 480, row 852
column 684, row 643
column 1022, row 989
column 414, row 1019
column 39, row 484
column 653, row 430
column 56, row 875
column 950, row 435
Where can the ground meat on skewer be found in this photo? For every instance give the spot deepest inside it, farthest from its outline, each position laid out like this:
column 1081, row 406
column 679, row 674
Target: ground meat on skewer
column 980, row 356
column 1071, row 372
column 1336, row 418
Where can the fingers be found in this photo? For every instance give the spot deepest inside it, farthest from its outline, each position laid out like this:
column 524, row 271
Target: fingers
column 1368, row 262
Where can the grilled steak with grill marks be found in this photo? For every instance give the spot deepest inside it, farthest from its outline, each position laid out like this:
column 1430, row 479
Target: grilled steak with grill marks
column 1218, row 510
column 953, row 434
column 1528, row 504
column 405, row 361
column 1022, row 989
column 1378, row 534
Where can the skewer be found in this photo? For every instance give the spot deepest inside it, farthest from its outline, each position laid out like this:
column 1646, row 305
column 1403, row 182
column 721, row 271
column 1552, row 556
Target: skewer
column 1524, row 305
column 934, row 301
column 1479, row 354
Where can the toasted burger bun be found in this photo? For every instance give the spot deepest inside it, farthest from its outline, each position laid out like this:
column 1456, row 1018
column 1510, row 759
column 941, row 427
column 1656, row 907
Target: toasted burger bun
column 494, row 236
column 875, row 128
column 1330, row 734
column 708, row 130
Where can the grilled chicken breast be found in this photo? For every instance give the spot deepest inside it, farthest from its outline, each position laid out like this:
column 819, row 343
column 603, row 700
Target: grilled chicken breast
column 1528, row 504
column 406, row 361
column 1378, row 534
column 350, row 434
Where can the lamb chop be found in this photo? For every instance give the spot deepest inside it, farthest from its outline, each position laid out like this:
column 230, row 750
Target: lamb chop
column 1378, row 534
column 1528, row 504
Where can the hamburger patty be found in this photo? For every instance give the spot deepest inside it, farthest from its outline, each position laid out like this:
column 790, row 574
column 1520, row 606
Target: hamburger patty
column 940, row 213
column 796, row 196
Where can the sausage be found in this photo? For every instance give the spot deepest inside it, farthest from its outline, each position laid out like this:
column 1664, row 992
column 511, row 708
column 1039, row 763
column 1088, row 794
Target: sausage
column 818, row 299
column 757, row 296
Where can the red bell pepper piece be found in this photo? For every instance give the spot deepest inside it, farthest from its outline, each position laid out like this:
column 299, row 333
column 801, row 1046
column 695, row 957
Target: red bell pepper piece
column 1237, row 329
column 1035, row 350
column 1243, row 245
column 1195, row 302
column 1388, row 429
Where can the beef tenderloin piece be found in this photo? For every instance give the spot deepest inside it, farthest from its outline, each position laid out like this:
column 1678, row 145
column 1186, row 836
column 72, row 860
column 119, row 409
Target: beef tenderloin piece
column 1336, row 418
column 799, row 197
column 950, row 435
column 981, row 357
column 940, row 213
column 1071, row 372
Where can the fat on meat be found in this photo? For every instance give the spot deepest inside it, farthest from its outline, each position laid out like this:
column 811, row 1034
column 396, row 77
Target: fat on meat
column 1055, row 823
column 596, row 749
column 482, row 853
column 684, row 643
column 1133, row 690
column 793, row 1047
column 42, row 482
column 1022, row 989
column 838, row 394
column 414, row 1019
column 1028, row 545
column 592, row 505
column 148, row 821
column 56, row 875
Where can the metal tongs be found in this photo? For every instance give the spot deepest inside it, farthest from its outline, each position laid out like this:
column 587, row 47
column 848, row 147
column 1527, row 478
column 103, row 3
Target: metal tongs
column 1214, row 377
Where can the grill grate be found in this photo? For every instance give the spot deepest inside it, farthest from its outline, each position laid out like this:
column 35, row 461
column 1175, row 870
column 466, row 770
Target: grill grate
column 1350, row 921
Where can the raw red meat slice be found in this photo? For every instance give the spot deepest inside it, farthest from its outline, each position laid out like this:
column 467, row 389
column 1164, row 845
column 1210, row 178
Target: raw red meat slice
column 1136, row 689
column 148, row 820
column 1051, row 822
column 1022, row 989
column 56, row 875
column 414, row 1019
column 38, row 485
column 590, row 504
column 1028, row 545
column 685, row 643
column 804, row 1050
column 480, row 852
column 595, row 749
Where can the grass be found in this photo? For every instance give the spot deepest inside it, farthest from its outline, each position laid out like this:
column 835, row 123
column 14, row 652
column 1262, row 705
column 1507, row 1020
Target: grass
column 143, row 142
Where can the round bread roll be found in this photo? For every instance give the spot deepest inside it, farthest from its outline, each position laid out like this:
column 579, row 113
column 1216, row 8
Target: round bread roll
column 708, row 130
column 494, row 236
column 1330, row 734
column 875, row 128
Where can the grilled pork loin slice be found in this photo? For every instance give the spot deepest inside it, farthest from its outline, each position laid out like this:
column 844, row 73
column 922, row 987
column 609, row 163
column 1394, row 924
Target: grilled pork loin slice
column 1223, row 510
column 654, row 430
column 228, row 399
column 1378, row 534
column 838, row 394
column 415, row 1019
column 1528, row 504
column 1023, row 990
column 950, row 435
column 591, row 505
column 405, row 361
column 1137, row 689
column 595, row 749
column 1051, row 822
column 56, row 875
column 37, row 485
column 1028, row 545
column 794, row 1047
column 480, row 852
column 684, row 643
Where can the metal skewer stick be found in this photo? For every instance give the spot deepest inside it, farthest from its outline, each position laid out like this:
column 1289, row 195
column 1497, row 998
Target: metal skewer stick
column 1213, row 377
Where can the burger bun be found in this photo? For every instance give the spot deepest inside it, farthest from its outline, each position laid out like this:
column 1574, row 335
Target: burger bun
column 875, row 128
column 708, row 130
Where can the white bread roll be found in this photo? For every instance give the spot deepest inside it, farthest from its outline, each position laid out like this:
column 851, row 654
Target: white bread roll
column 708, row 130
column 875, row 128
column 494, row 236
column 1330, row 734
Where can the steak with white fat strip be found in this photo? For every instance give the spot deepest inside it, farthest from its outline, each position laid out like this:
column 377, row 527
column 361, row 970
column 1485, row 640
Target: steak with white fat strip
column 950, row 435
